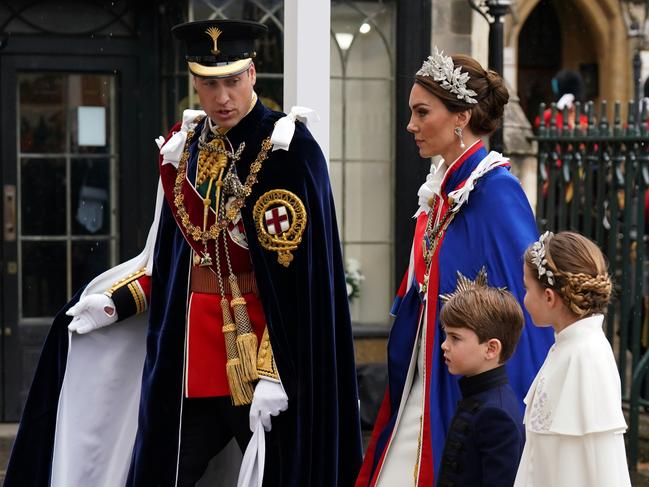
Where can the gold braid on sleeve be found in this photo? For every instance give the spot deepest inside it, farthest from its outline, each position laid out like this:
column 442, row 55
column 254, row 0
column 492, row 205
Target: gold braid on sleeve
column 266, row 366
column 128, row 296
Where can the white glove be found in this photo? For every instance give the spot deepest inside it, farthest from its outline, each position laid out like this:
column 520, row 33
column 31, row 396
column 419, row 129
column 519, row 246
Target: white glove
column 91, row 312
column 160, row 141
column 269, row 399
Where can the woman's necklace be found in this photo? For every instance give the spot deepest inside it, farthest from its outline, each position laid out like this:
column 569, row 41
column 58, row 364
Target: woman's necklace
column 432, row 236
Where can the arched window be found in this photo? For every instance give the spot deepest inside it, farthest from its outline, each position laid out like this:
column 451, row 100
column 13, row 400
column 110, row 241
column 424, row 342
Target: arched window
column 362, row 146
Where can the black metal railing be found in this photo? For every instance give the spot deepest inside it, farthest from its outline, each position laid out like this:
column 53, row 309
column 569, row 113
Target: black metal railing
column 592, row 179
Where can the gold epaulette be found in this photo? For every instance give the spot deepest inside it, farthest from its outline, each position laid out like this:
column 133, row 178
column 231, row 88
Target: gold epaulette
column 266, row 366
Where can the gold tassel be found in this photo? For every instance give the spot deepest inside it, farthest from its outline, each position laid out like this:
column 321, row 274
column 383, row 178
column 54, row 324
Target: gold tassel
column 240, row 390
column 246, row 338
column 247, row 347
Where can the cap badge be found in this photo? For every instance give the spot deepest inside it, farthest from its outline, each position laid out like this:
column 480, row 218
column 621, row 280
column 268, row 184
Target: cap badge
column 214, row 33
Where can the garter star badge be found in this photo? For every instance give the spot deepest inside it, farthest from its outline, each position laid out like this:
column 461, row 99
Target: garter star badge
column 280, row 220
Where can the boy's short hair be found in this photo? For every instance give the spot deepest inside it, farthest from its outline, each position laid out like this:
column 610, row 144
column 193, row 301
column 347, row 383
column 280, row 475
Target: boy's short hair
column 490, row 313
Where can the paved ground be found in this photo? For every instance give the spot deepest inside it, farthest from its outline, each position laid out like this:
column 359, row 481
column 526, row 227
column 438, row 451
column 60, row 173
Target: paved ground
column 8, row 433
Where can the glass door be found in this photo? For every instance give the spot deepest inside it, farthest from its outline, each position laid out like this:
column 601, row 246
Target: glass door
column 66, row 198
column 68, row 123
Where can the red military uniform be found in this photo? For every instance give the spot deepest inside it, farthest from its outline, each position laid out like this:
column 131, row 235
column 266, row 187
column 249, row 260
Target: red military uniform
column 206, row 353
column 547, row 118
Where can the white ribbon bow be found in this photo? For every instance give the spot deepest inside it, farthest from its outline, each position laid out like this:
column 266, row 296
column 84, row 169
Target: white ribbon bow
column 285, row 126
column 172, row 150
column 429, row 188
column 252, row 465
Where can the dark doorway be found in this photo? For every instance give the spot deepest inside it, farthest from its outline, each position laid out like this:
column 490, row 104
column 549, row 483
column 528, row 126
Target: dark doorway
column 78, row 169
column 413, row 46
column 539, row 57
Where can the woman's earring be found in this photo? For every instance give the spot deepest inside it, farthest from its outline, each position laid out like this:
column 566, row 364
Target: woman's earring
column 458, row 132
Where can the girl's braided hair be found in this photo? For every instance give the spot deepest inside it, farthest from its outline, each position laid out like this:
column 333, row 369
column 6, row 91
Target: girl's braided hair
column 578, row 272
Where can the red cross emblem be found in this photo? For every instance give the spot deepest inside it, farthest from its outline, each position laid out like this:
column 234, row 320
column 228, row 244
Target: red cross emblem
column 277, row 220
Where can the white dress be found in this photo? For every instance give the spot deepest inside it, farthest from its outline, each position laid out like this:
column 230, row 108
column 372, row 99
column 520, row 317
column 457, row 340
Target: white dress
column 573, row 417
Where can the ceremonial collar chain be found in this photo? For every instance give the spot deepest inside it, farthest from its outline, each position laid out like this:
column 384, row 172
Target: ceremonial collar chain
column 538, row 258
column 443, row 71
column 234, row 156
column 220, row 224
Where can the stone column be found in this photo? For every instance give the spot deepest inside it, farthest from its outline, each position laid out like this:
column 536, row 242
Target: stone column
column 521, row 151
column 306, row 61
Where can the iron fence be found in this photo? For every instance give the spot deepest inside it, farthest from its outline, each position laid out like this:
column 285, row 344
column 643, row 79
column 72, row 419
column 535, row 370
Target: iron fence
column 592, row 179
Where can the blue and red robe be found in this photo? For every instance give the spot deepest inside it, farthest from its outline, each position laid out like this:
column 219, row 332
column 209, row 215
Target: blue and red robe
column 492, row 229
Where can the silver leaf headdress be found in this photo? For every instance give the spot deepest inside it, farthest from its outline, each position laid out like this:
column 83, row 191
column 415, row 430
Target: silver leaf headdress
column 464, row 284
column 441, row 69
column 538, row 258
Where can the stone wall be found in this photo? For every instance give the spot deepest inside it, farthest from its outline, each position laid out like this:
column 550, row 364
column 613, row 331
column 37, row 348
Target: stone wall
column 452, row 26
column 457, row 28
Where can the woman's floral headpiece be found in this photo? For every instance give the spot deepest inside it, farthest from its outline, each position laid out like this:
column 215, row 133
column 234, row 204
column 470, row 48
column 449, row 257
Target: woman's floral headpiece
column 441, row 69
column 538, row 258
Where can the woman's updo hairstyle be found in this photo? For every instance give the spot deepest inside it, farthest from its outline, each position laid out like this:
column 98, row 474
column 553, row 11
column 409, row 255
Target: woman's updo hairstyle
column 575, row 269
column 492, row 95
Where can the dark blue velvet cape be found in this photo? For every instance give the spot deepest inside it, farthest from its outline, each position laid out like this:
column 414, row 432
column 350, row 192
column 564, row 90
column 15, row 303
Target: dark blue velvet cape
column 31, row 456
column 316, row 441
